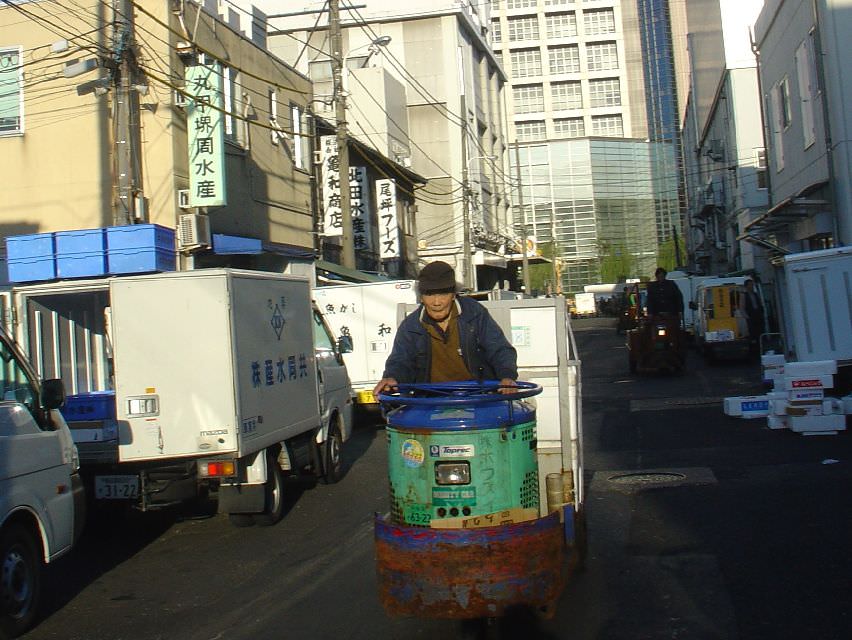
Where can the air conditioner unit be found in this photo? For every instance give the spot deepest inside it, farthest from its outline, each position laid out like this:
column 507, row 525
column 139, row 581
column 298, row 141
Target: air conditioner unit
column 183, row 198
column 193, row 231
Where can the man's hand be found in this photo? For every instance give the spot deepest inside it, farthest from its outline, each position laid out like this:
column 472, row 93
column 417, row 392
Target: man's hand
column 507, row 385
column 385, row 384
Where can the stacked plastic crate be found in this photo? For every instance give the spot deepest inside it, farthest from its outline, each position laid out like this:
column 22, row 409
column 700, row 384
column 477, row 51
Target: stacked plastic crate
column 808, row 410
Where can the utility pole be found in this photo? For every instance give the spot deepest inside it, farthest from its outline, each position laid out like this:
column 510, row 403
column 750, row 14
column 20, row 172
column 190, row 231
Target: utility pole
column 127, row 165
column 468, row 254
column 523, row 218
column 347, row 251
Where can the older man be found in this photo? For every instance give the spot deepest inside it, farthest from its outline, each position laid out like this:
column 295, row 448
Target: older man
column 448, row 338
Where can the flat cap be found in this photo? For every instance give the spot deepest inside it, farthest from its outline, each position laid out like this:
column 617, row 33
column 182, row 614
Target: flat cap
column 436, row 276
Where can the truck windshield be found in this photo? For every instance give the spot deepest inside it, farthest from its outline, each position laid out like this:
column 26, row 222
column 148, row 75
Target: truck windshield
column 15, row 385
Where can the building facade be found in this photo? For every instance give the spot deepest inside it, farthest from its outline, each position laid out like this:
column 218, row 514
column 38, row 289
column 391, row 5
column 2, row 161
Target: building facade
column 447, row 125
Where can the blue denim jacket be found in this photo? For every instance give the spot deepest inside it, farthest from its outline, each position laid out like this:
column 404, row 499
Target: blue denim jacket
column 486, row 351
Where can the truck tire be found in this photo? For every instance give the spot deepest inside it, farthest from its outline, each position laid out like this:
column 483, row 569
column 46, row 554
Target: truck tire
column 332, row 460
column 273, row 509
column 20, row 579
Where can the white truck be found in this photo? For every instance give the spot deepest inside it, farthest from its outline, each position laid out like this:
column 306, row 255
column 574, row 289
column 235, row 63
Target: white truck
column 42, row 505
column 213, row 379
column 367, row 313
column 815, row 300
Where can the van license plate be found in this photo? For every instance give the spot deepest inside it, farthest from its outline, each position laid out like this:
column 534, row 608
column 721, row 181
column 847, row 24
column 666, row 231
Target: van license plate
column 116, row 487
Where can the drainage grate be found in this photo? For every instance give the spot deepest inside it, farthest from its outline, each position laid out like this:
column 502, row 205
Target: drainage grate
column 646, row 478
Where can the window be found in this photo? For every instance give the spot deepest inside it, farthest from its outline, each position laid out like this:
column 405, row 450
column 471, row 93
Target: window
column 498, row 56
column 784, row 103
column 557, row 3
column 523, row 29
column 569, row 128
column 533, row 130
column 520, row 4
column 564, row 59
column 804, row 65
column 607, row 126
column 526, row 63
column 528, row 98
column 15, row 385
column 320, row 71
column 602, row 56
column 561, row 25
column 777, row 127
column 605, row 92
column 11, row 91
column 566, row 95
column 598, row 21
column 301, row 137
column 760, row 166
column 231, row 91
column 496, row 36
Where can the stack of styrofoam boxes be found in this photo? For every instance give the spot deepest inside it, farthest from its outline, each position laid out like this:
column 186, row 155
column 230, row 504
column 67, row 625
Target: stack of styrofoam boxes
column 140, row 248
column 808, row 410
column 773, row 369
column 80, row 253
column 30, row 258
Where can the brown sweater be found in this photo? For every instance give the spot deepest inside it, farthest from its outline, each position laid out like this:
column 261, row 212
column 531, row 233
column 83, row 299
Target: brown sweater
column 447, row 362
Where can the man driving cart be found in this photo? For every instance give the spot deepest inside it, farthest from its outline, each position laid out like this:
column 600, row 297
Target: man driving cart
column 658, row 342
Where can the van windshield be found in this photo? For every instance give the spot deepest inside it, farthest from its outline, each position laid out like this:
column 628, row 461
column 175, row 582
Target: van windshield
column 15, row 384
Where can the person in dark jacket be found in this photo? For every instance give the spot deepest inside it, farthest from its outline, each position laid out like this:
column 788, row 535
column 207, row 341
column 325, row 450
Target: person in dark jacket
column 664, row 296
column 448, row 338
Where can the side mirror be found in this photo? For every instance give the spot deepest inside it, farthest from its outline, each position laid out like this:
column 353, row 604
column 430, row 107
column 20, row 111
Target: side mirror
column 344, row 344
column 52, row 393
column 693, row 306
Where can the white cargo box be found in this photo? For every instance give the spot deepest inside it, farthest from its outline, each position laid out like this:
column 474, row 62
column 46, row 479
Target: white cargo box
column 776, row 421
column 367, row 313
column 847, row 405
column 817, row 425
column 804, row 395
column 747, row 406
column 212, row 361
column 811, row 382
column 772, row 360
column 811, row 368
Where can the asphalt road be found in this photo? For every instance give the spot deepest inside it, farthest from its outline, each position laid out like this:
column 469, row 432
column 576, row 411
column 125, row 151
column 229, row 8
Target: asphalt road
column 734, row 531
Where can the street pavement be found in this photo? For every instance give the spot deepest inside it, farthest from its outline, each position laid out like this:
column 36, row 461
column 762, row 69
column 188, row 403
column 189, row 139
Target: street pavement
column 731, row 531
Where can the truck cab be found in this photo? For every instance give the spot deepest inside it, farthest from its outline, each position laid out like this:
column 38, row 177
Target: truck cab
column 42, row 505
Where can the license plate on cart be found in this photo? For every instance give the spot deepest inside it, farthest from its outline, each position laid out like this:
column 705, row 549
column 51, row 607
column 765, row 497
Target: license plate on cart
column 116, row 487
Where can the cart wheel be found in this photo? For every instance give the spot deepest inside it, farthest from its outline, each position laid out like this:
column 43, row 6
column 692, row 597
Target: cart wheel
column 332, row 461
column 20, row 579
column 273, row 509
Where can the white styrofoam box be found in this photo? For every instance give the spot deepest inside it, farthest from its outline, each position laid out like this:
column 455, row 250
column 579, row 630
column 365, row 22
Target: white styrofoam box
column 810, row 369
column 847, row 405
column 778, row 407
column 830, row 406
column 747, row 406
column 817, row 424
column 775, row 377
column 772, row 359
column 807, row 382
column 776, row 422
column 799, row 395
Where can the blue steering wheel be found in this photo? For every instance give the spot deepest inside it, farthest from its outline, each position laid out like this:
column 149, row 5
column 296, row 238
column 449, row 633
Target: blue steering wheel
column 465, row 392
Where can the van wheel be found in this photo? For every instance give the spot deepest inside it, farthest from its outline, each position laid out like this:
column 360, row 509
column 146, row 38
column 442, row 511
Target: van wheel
column 332, row 462
column 273, row 509
column 20, row 579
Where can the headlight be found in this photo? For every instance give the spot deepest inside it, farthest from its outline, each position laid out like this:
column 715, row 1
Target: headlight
column 452, row 472
column 661, row 331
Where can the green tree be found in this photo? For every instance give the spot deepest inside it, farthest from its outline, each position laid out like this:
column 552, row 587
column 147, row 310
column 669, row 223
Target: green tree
column 541, row 274
column 616, row 262
column 667, row 253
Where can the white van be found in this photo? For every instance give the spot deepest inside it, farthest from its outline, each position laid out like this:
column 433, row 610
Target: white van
column 42, row 505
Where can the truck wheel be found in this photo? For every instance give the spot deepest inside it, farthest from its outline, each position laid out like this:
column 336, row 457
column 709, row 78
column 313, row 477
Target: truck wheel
column 20, row 579
column 332, row 464
column 273, row 509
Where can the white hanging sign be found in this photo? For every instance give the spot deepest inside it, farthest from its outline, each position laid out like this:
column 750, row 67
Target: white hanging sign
column 388, row 221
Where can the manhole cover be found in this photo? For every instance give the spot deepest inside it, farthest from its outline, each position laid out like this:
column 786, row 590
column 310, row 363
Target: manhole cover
column 646, row 478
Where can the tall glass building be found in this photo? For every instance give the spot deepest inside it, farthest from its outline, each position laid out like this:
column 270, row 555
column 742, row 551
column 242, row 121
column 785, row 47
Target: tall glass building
column 594, row 111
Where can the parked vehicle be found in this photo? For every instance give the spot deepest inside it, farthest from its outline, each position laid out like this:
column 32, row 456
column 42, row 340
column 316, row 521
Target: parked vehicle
column 366, row 312
column 585, row 305
column 213, row 379
column 42, row 506
column 720, row 328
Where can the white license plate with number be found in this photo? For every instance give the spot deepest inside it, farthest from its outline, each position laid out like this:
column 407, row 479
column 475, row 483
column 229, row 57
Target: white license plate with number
column 116, row 487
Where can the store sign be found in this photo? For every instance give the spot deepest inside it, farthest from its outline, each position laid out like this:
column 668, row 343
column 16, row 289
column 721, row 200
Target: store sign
column 359, row 201
column 205, row 122
column 388, row 221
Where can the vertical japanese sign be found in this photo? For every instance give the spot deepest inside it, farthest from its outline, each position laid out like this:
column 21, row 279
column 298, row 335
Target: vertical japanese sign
column 205, row 122
column 388, row 222
column 358, row 197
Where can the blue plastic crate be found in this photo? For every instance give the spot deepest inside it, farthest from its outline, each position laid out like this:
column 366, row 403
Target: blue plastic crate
column 140, row 236
column 80, row 265
column 140, row 260
column 95, row 405
column 31, row 269
column 31, row 246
